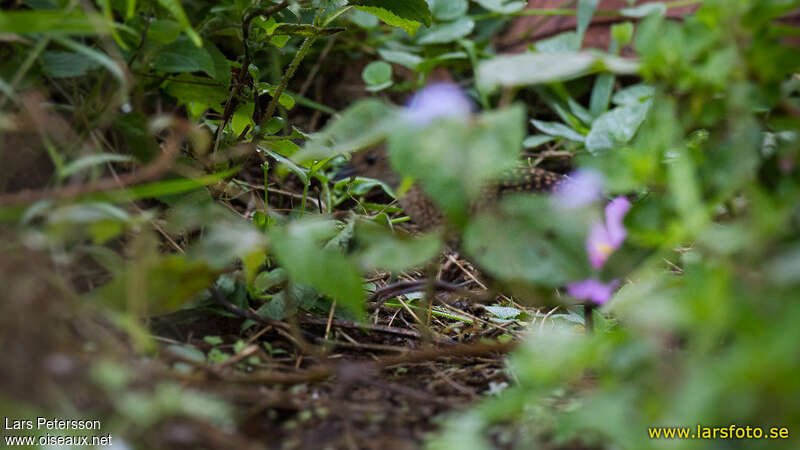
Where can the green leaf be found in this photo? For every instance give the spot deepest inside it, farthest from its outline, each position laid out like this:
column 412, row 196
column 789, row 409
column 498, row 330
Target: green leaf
column 633, row 95
column 377, row 75
column 601, row 93
column 568, row 41
column 183, row 56
column 53, row 22
column 502, row 6
column 163, row 31
column 586, row 10
column 453, row 160
column 622, row 33
column 325, row 269
column 286, row 100
column 192, row 89
column 176, row 9
column 503, row 312
column 644, row 10
column 447, row 32
column 412, row 10
column 365, row 123
column 617, row 126
column 539, row 245
column 447, row 10
column 67, row 64
column 535, row 141
column 305, row 30
column 537, row 68
column 242, row 118
column 383, row 249
column 559, row 130
column 406, row 59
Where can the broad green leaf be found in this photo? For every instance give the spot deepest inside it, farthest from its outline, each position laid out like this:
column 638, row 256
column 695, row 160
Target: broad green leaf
column 622, row 33
column 364, row 124
column 502, row 6
column 183, row 56
column 286, row 100
column 164, row 31
column 382, row 249
column 559, row 130
column 617, row 126
column 413, row 10
column 189, row 88
column 406, row 59
column 633, row 95
column 447, row 10
column 53, row 22
column 453, row 160
column 242, row 118
column 377, row 75
column 327, row 270
column 536, row 68
column 67, row 64
column 447, row 32
column 176, row 9
column 539, row 244
column 222, row 70
column 388, row 17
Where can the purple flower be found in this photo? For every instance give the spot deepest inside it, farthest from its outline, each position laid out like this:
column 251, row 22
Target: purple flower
column 436, row 101
column 592, row 290
column 583, row 187
column 606, row 237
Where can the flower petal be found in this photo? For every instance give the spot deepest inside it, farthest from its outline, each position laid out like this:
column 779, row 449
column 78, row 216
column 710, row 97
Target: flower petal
column 592, row 290
column 598, row 245
column 615, row 214
column 436, row 101
column 582, row 187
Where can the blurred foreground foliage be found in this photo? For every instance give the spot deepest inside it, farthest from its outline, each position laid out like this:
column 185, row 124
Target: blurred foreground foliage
column 700, row 132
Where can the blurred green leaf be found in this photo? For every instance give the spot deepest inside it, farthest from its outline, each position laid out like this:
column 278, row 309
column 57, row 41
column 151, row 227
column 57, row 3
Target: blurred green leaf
column 326, row 269
column 502, row 6
column 53, row 22
column 447, row 32
column 383, row 249
column 66, row 64
column 447, row 10
column 558, row 130
column 377, row 75
column 176, row 9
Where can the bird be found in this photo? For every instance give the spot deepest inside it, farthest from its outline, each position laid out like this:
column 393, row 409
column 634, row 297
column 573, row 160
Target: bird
column 374, row 163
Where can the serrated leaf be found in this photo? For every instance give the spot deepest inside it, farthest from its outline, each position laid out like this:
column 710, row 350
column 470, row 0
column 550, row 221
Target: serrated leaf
column 413, row 10
column 503, row 312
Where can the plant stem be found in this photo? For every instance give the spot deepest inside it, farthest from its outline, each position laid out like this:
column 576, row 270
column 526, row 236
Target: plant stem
column 298, row 57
